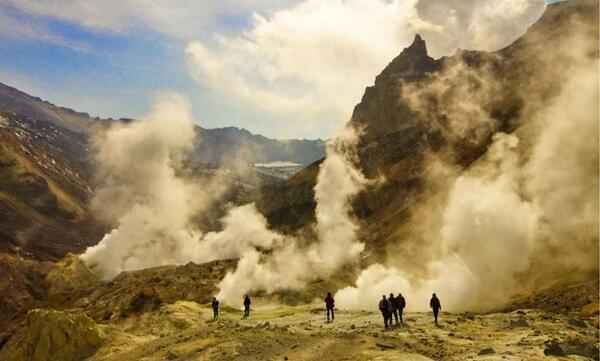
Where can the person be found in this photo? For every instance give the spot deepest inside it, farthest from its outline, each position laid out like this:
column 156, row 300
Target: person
column 247, row 304
column 330, row 306
column 215, row 308
column 400, row 305
column 384, row 307
column 436, row 306
column 393, row 308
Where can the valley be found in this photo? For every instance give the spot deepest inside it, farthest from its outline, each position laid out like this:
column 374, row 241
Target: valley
column 473, row 175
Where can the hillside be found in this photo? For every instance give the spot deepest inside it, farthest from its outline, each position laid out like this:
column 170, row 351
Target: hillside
column 474, row 119
column 422, row 110
column 48, row 172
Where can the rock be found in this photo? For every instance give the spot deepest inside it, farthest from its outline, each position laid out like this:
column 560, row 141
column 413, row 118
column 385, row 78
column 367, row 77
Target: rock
column 385, row 346
column 577, row 323
column 591, row 309
column 553, row 348
column 582, row 348
column 70, row 279
column 487, row 351
column 67, row 336
column 521, row 322
column 171, row 355
column 352, row 327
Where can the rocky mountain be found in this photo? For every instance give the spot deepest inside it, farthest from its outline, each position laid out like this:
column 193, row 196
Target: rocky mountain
column 420, row 108
column 221, row 145
column 419, row 113
column 214, row 146
column 45, row 162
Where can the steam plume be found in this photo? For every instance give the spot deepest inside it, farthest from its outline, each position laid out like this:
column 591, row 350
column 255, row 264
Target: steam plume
column 290, row 266
column 508, row 224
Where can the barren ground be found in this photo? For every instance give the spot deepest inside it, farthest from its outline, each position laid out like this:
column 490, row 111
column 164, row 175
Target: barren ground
column 184, row 331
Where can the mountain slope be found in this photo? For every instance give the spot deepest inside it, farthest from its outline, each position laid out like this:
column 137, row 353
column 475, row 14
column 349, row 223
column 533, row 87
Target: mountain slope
column 421, row 112
column 46, row 164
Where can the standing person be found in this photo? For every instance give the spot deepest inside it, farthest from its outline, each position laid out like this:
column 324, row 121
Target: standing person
column 247, row 304
column 215, row 308
column 393, row 308
column 330, row 306
column 401, row 302
column 436, row 306
column 383, row 307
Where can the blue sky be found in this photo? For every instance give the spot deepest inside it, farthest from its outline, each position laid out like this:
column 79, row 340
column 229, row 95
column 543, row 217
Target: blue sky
column 282, row 68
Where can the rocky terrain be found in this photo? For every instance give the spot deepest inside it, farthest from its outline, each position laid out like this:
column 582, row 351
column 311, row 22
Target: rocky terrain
column 163, row 313
column 55, row 305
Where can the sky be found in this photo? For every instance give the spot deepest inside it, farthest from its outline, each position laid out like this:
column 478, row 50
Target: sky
column 281, row 68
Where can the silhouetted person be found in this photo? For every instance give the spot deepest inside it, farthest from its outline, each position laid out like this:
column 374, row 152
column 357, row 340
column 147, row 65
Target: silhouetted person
column 400, row 305
column 436, row 306
column 330, row 306
column 393, row 308
column 384, row 307
column 247, row 304
column 215, row 308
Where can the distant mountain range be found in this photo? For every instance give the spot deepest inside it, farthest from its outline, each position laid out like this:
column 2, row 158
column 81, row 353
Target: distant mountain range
column 46, row 171
column 214, row 146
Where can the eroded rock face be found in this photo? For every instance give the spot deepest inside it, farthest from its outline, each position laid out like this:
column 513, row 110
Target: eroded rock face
column 54, row 335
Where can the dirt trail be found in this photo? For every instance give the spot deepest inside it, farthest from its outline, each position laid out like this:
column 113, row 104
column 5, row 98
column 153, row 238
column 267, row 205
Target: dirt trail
column 184, row 331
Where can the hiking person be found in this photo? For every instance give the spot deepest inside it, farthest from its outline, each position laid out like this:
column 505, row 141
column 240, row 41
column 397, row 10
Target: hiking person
column 401, row 304
column 330, row 306
column 393, row 308
column 247, row 304
column 384, row 307
column 215, row 308
column 436, row 306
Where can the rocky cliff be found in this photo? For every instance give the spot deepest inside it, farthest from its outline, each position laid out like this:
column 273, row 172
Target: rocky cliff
column 421, row 110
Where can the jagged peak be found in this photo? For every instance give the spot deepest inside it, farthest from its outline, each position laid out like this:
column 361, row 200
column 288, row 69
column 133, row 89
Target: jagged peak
column 418, row 46
column 412, row 62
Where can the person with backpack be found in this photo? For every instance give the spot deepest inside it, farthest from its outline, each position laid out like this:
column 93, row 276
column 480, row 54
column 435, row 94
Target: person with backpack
column 400, row 305
column 247, row 304
column 393, row 308
column 436, row 306
column 215, row 308
column 330, row 306
column 384, row 307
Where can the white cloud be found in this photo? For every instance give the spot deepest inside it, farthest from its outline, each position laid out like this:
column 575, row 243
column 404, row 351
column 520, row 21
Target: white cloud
column 304, row 61
column 310, row 63
column 178, row 18
column 12, row 28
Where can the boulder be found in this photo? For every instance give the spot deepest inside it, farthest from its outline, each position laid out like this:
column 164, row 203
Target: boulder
column 591, row 310
column 53, row 335
column 487, row 351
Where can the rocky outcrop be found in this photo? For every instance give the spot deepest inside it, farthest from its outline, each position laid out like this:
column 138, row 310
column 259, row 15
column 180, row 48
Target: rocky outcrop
column 381, row 111
column 68, row 280
column 54, row 335
column 447, row 109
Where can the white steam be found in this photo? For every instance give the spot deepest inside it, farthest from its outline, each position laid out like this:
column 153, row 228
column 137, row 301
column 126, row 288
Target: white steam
column 141, row 190
column 513, row 219
column 145, row 190
column 290, row 265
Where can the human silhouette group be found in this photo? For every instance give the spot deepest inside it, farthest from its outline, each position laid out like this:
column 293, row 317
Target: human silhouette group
column 391, row 308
